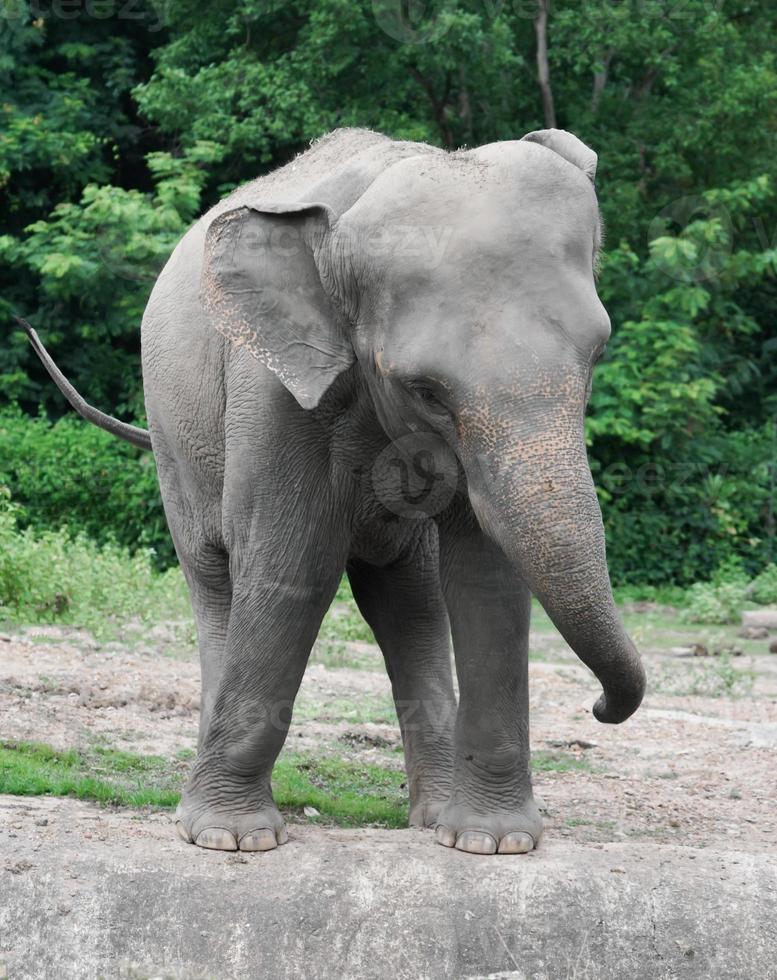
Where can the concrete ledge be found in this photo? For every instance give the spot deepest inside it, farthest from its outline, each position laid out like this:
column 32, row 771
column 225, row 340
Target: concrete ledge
column 86, row 892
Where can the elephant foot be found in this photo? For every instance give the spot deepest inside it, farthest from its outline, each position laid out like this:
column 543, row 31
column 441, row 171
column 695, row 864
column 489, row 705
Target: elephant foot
column 500, row 832
column 425, row 813
column 221, row 829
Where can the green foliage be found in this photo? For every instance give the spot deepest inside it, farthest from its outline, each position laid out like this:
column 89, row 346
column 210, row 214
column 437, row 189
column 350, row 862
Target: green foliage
column 676, row 463
column 720, row 603
column 48, row 576
column 71, row 473
column 723, row 599
column 765, row 585
column 119, row 129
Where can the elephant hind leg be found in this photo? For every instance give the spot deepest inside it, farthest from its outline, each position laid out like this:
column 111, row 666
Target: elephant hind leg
column 193, row 510
column 210, row 589
column 404, row 606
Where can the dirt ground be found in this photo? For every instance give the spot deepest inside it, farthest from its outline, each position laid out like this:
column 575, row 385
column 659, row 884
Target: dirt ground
column 695, row 767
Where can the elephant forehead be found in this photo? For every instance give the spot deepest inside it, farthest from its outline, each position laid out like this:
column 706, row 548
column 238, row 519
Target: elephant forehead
column 486, row 323
column 475, row 250
column 476, row 201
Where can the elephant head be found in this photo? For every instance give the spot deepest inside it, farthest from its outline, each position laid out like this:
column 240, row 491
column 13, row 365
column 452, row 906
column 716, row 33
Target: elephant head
column 463, row 284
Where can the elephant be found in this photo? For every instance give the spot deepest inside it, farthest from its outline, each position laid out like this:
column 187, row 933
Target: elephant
column 376, row 361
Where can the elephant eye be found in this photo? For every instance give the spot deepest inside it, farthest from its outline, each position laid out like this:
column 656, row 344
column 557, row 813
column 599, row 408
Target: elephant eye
column 425, row 393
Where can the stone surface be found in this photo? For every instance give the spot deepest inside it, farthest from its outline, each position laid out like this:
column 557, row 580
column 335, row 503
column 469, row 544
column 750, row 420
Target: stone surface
column 94, row 892
column 766, row 618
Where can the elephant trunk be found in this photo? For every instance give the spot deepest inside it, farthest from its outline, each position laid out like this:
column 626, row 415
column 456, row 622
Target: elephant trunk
column 540, row 505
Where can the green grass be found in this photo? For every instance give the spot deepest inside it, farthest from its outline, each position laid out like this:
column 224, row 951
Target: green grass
column 54, row 577
column 343, row 621
column 375, row 709
column 545, row 761
column 103, row 775
column 344, row 793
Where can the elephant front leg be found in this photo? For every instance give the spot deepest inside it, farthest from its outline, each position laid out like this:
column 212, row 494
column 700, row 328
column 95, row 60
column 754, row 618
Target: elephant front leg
column 491, row 807
column 405, row 608
column 227, row 803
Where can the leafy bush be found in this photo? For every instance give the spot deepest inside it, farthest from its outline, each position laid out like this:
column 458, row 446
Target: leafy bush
column 716, row 603
column 49, row 576
column 717, row 677
column 723, row 599
column 765, row 586
column 70, row 473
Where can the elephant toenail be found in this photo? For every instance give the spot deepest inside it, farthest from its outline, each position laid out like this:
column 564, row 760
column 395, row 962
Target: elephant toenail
column 444, row 836
column 216, row 839
column 282, row 835
column 476, row 842
column 516, row 843
column 258, row 840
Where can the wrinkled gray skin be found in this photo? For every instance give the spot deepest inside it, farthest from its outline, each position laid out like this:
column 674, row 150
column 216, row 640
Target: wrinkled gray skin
column 285, row 345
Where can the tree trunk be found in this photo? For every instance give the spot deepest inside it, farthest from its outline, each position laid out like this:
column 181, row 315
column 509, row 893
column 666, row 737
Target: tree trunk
column 543, row 70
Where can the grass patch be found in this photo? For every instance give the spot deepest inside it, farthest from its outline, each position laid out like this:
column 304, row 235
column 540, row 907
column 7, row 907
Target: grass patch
column 373, row 709
column 103, row 775
column 343, row 622
column 545, row 761
column 335, row 655
column 344, row 793
column 54, row 577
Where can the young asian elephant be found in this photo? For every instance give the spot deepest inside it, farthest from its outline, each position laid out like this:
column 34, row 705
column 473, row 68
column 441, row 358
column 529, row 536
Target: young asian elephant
column 377, row 359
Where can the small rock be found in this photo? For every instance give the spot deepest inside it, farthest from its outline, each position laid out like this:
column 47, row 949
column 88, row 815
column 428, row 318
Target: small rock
column 311, row 811
column 773, row 646
column 41, row 822
column 730, row 651
column 695, row 650
column 19, row 867
column 754, row 633
column 570, row 743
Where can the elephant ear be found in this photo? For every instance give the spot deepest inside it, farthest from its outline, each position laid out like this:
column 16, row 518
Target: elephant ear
column 262, row 289
column 567, row 146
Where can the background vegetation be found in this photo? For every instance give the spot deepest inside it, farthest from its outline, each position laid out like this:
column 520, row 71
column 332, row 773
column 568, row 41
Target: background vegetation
column 121, row 121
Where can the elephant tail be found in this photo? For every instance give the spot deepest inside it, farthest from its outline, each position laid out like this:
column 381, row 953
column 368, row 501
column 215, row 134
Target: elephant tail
column 130, row 433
